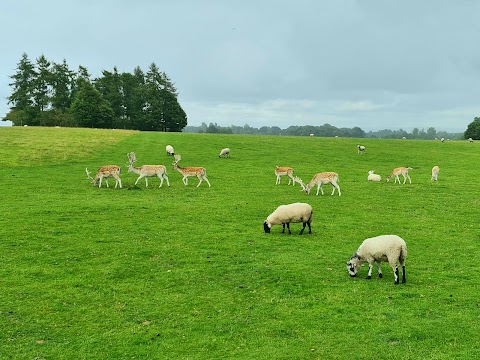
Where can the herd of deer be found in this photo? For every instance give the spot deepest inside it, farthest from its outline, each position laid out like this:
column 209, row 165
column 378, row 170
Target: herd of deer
column 146, row 171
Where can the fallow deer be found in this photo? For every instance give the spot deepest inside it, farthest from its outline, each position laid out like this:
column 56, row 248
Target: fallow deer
column 320, row 179
column 284, row 171
column 199, row 172
column 146, row 171
column 104, row 172
column 400, row 171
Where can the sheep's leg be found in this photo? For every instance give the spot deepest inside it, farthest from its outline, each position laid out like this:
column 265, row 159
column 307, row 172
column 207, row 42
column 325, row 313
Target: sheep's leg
column 404, row 280
column 380, row 275
column 283, row 228
column 288, row 227
column 370, row 267
column 309, row 227
column 301, row 231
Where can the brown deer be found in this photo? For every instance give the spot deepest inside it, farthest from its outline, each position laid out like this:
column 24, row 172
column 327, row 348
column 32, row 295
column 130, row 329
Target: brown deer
column 284, row 171
column 320, row 179
column 400, row 171
column 104, row 172
column 199, row 172
column 146, row 171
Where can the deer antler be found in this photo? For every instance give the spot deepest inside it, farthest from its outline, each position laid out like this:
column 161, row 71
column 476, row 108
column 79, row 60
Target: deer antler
column 298, row 180
column 177, row 158
column 131, row 157
column 89, row 176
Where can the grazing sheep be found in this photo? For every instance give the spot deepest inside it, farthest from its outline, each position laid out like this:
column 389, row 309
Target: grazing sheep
column 373, row 177
column 435, row 171
column 291, row 213
column 442, row 139
column 470, row 139
column 360, row 149
column 284, row 171
column 400, row 171
column 391, row 248
column 224, row 153
column 169, row 149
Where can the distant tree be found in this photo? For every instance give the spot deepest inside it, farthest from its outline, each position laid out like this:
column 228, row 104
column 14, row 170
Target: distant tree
column 62, row 86
column 473, row 129
column 90, row 109
column 22, row 111
column 42, row 85
column 110, row 86
column 212, row 129
column 431, row 133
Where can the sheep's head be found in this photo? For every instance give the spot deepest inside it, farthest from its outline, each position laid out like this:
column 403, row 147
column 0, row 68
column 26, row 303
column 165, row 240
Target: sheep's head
column 354, row 265
column 266, row 227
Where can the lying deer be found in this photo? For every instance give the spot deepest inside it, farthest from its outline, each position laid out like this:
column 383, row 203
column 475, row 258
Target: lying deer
column 199, row 172
column 105, row 172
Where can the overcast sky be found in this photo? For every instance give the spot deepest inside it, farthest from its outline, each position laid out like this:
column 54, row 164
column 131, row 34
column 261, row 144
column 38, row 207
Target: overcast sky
column 376, row 64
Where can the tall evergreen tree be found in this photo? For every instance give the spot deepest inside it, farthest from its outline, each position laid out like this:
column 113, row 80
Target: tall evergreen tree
column 110, row 86
column 90, row 109
column 42, row 84
column 62, row 86
column 22, row 111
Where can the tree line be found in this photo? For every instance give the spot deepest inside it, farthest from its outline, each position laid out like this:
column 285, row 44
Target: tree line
column 45, row 93
column 325, row 130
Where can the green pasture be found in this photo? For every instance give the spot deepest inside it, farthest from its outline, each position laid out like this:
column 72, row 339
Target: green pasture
column 188, row 273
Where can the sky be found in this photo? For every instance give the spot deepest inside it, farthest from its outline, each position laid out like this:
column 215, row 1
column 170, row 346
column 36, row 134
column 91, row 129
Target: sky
column 375, row 64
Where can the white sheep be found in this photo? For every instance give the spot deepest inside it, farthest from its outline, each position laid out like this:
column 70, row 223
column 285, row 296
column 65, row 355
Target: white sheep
column 291, row 213
column 169, row 150
column 391, row 248
column 360, row 149
column 373, row 177
column 225, row 153
column 435, row 171
column 470, row 139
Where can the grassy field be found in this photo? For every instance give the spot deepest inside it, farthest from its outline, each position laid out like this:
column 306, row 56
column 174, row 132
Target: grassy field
column 188, row 273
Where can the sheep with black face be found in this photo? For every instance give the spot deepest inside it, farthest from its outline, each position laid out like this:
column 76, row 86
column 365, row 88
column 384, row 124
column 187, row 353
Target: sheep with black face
column 291, row 213
column 390, row 248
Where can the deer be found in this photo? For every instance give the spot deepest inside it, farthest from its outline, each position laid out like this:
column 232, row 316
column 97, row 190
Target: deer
column 104, row 172
column 146, row 171
column 320, row 179
column 199, row 172
column 284, row 171
column 400, row 171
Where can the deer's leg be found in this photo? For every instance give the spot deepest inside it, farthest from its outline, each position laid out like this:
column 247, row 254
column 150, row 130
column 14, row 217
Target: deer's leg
column 208, row 182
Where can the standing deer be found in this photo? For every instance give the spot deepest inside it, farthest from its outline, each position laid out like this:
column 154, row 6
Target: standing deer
column 146, row 171
column 400, row 171
column 284, row 171
column 105, row 172
column 199, row 172
column 320, row 179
